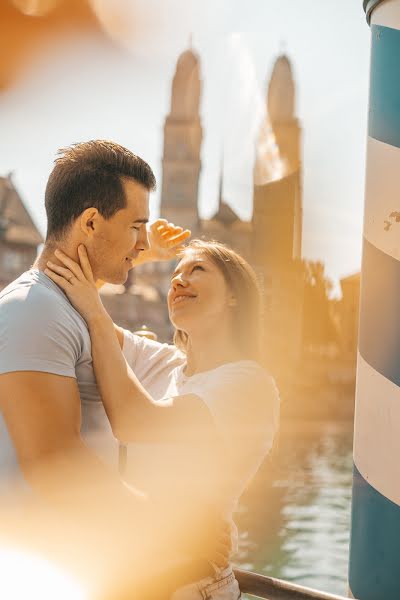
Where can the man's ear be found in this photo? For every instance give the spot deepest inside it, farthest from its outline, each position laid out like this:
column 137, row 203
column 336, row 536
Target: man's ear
column 89, row 221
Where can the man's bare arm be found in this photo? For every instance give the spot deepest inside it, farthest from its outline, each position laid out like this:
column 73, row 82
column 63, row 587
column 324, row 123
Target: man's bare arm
column 42, row 413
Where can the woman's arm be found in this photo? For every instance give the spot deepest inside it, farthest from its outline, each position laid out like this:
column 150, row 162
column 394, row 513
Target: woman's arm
column 132, row 412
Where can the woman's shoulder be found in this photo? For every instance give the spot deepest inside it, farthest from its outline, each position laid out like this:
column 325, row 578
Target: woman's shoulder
column 242, row 396
column 245, row 372
column 243, row 380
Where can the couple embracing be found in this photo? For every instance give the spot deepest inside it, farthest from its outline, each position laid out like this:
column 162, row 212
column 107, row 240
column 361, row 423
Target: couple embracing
column 198, row 415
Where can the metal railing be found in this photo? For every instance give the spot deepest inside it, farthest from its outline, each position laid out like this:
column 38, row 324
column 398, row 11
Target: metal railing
column 270, row 588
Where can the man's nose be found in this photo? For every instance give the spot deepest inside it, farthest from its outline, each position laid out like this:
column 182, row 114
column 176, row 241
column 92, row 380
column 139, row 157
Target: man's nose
column 143, row 240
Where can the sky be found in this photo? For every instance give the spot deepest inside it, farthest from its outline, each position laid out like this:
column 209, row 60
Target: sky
column 90, row 86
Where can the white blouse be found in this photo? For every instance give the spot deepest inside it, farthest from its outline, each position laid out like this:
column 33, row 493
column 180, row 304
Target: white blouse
column 241, row 397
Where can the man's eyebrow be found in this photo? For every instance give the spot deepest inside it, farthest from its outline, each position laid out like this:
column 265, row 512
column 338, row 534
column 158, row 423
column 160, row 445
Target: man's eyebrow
column 140, row 220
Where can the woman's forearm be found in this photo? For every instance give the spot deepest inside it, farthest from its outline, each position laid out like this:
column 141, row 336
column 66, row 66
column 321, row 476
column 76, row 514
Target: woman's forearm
column 125, row 400
column 133, row 414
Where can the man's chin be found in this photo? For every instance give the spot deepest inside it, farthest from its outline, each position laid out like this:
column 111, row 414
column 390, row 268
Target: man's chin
column 114, row 279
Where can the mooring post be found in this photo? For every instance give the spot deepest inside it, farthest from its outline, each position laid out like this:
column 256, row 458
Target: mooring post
column 374, row 570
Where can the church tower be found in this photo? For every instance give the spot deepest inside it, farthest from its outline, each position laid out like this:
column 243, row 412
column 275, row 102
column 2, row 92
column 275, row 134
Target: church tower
column 281, row 110
column 277, row 203
column 182, row 144
column 277, row 223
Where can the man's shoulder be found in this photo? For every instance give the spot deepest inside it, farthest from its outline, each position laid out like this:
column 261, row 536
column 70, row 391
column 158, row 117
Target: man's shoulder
column 39, row 328
column 31, row 297
column 30, row 284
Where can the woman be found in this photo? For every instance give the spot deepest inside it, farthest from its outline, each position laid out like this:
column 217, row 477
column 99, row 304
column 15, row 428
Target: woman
column 206, row 395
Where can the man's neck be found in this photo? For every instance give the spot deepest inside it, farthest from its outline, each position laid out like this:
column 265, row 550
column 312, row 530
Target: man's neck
column 47, row 254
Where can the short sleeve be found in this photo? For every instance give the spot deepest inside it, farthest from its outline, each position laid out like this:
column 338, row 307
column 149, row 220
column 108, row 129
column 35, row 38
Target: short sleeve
column 245, row 406
column 38, row 334
column 148, row 359
column 244, row 403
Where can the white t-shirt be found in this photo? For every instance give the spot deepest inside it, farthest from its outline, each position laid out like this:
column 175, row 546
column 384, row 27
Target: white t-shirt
column 241, row 397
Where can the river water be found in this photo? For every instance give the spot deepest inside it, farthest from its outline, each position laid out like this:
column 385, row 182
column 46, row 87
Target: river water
column 294, row 520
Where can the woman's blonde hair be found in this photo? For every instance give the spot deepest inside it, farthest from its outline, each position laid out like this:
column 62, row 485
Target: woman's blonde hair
column 242, row 282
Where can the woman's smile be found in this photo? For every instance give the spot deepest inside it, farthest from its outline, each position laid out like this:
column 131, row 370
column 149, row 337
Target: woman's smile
column 181, row 297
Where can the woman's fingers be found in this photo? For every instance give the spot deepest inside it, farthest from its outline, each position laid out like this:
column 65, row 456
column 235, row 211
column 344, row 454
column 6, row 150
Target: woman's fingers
column 176, row 240
column 62, row 271
column 170, row 232
column 173, row 233
column 85, row 263
column 58, row 279
column 160, row 223
column 167, row 231
column 71, row 264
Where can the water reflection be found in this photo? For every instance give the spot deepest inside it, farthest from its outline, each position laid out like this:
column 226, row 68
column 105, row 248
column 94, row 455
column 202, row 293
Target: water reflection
column 295, row 518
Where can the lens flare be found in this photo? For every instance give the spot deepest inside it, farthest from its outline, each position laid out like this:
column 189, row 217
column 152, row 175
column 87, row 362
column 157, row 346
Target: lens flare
column 25, row 575
column 35, row 8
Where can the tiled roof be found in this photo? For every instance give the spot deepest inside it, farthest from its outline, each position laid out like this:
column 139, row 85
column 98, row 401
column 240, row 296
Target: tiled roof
column 16, row 220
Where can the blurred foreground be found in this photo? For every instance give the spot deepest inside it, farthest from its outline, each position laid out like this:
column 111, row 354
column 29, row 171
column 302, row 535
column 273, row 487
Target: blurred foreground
column 293, row 523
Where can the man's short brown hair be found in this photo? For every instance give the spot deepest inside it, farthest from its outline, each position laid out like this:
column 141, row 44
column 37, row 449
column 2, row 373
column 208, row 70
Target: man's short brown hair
column 87, row 175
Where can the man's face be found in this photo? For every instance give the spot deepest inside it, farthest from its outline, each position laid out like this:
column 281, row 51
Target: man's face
column 117, row 241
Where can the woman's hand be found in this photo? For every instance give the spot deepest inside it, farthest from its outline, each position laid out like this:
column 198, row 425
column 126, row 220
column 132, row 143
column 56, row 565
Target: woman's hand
column 165, row 241
column 78, row 284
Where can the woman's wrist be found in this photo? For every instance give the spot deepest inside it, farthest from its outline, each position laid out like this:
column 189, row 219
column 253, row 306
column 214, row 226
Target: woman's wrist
column 99, row 318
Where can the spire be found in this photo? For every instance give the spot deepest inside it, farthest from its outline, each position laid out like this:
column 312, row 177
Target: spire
column 281, row 91
column 186, row 86
column 225, row 214
column 221, row 183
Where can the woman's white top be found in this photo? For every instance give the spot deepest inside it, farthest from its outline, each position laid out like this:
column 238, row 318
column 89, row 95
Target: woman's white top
column 241, row 397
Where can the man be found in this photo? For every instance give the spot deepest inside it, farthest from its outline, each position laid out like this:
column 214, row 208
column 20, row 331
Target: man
column 54, row 427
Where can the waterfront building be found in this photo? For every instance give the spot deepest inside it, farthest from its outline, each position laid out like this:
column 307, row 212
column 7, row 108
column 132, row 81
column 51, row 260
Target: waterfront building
column 19, row 236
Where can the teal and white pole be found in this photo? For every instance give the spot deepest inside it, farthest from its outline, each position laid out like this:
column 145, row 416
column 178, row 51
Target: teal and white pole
column 375, row 532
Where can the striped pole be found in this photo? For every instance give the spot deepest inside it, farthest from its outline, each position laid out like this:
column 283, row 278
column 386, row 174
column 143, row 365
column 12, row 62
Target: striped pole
column 374, row 572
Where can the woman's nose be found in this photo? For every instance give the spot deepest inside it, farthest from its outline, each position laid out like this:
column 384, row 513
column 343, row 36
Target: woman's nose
column 178, row 280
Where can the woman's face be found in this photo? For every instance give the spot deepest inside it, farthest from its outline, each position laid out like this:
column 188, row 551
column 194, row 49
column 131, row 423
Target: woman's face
column 198, row 296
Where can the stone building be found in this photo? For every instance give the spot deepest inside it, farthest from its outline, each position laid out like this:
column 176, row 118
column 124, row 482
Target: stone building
column 346, row 315
column 19, row 236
